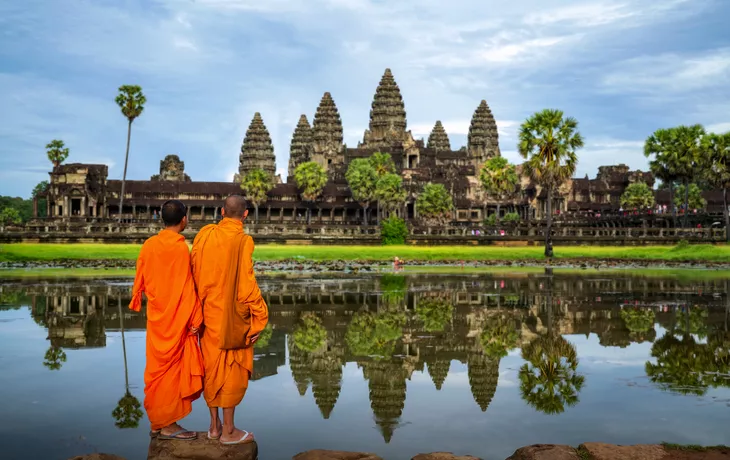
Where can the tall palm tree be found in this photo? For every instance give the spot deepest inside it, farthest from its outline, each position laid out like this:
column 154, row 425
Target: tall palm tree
column 131, row 100
column 256, row 184
column 311, row 179
column 548, row 141
column 498, row 178
column 717, row 147
column 57, row 152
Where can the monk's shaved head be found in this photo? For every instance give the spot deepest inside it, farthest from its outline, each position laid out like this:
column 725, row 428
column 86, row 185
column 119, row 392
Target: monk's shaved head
column 173, row 212
column 235, row 207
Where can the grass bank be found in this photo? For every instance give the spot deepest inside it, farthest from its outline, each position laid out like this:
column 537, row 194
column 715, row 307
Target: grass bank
column 24, row 252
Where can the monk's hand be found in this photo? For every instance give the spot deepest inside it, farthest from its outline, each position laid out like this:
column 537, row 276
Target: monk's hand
column 194, row 330
column 254, row 338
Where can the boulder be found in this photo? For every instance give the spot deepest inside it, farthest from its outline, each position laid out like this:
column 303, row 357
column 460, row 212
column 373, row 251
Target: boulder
column 200, row 449
column 601, row 451
column 97, row 456
column 334, row 455
column 545, row 452
column 443, row 456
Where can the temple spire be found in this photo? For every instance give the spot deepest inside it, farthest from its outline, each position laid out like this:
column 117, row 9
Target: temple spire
column 483, row 138
column 300, row 150
column 257, row 151
column 327, row 134
column 438, row 139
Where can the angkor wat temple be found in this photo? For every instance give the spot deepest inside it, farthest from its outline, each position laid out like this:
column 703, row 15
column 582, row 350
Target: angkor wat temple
column 84, row 190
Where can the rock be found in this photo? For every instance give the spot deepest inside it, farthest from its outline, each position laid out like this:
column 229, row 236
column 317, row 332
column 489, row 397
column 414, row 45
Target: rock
column 601, row 451
column 545, row 452
column 200, row 449
column 334, row 455
column 443, row 456
column 97, row 456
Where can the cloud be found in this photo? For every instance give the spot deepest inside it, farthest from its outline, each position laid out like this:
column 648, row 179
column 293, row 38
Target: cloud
column 719, row 127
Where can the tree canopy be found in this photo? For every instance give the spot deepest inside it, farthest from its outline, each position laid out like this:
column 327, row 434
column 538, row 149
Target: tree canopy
column 255, row 185
column 637, row 196
column 434, row 204
column 389, row 191
column 382, row 163
column 311, row 179
column 131, row 101
column 694, row 198
column 57, row 152
column 498, row 177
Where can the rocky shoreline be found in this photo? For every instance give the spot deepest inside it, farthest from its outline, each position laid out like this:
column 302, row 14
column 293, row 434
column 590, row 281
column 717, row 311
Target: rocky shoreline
column 205, row 449
column 348, row 266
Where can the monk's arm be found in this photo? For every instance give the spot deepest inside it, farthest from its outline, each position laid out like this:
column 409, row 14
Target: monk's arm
column 249, row 292
column 196, row 315
column 138, row 289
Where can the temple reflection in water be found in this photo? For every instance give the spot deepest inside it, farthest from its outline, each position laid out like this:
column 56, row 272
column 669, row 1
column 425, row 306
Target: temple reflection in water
column 394, row 325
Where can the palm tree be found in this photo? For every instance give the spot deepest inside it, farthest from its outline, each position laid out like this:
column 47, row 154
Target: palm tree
column 717, row 147
column 311, row 179
column 549, row 142
column 57, row 152
column 128, row 412
column 390, row 192
column 362, row 179
column 131, row 100
column 256, row 184
column 498, row 178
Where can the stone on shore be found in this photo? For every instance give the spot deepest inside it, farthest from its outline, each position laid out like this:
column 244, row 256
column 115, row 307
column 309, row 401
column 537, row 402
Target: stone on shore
column 545, row 452
column 200, row 449
column 444, row 456
column 97, row 456
column 334, row 455
column 602, row 451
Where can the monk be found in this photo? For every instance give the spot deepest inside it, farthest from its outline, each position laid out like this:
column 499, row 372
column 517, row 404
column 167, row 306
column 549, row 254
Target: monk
column 173, row 376
column 234, row 314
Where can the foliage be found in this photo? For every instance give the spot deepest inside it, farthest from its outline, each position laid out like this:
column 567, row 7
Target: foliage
column 382, row 163
column 717, row 148
column 491, row 220
column 371, row 334
column 131, row 101
column 57, row 152
column 498, row 337
column 637, row 196
column 498, row 177
column 311, row 179
column 393, row 230
column 128, row 412
column 550, row 381
column 10, row 216
column 434, row 204
column 54, row 359
column 390, row 192
column 638, row 319
column 362, row 179
column 309, row 335
column 264, row 338
column 695, row 200
column 511, row 218
column 255, row 185
column 435, row 313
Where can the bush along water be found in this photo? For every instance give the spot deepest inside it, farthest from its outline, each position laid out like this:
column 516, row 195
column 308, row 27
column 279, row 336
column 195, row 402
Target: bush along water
column 393, row 230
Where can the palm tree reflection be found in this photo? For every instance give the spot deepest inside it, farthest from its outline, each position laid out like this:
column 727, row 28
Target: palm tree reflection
column 128, row 412
column 54, row 358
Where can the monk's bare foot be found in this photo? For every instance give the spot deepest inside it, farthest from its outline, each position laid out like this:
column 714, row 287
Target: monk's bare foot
column 236, row 437
column 216, row 429
column 175, row 431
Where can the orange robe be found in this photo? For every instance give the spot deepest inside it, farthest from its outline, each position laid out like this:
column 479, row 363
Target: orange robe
column 173, row 376
column 226, row 371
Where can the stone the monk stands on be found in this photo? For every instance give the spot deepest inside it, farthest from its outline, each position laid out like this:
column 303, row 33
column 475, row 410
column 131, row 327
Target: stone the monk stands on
column 234, row 315
column 173, row 374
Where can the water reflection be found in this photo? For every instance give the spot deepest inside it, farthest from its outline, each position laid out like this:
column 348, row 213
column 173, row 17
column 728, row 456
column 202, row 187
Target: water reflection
column 393, row 326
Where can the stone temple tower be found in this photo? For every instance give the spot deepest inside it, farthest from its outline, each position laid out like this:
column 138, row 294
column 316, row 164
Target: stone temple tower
column 257, row 151
column 387, row 116
column 327, row 147
column 438, row 139
column 300, row 150
column 483, row 139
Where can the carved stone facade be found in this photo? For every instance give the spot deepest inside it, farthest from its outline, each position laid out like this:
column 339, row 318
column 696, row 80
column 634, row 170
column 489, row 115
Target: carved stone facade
column 257, row 151
column 172, row 169
column 300, row 150
column 327, row 135
column 483, row 137
column 438, row 139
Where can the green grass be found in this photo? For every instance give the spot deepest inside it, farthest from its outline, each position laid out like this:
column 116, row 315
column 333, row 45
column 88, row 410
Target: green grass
column 697, row 253
column 583, row 453
column 68, row 273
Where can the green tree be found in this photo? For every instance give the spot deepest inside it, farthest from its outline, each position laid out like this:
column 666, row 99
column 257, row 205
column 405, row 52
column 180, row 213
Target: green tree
column 661, row 171
column 499, row 179
column 309, row 335
column 549, row 141
column 57, row 152
column 362, row 179
column 434, row 204
column 128, row 412
column 637, row 196
column 680, row 151
column 717, row 147
column 311, row 179
column 382, row 163
column 10, row 216
column 39, row 192
column 393, row 230
column 390, row 193
column 692, row 198
column 550, row 381
column 435, row 313
column 54, row 359
column 131, row 101
column 255, row 185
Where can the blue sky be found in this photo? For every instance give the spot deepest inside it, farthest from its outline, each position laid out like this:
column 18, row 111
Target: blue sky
column 622, row 68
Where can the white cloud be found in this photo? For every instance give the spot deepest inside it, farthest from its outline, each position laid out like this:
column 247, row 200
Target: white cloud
column 718, row 127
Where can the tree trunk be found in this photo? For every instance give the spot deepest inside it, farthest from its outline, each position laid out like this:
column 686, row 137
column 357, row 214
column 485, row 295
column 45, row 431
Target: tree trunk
column 309, row 212
column 686, row 203
column 364, row 215
column 548, row 239
column 124, row 175
column 726, row 214
column 256, row 212
column 497, row 213
column 671, row 204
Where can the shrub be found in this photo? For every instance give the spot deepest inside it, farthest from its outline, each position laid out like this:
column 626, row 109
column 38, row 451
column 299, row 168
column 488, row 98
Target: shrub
column 511, row 218
column 491, row 220
column 393, row 230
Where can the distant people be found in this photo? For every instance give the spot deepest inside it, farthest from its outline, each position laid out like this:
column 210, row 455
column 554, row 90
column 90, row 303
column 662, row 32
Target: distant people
column 234, row 315
column 154, row 215
column 173, row 374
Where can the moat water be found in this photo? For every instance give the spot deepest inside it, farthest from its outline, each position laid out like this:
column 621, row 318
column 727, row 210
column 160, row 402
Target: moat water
column 391, row 364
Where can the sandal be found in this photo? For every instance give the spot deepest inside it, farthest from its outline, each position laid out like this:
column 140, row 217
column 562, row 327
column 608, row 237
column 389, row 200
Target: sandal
column 178, row 436
column 245, row 439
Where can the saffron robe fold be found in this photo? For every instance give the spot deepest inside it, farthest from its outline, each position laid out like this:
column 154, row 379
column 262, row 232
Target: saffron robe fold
column 226, row 371
column 173, row 374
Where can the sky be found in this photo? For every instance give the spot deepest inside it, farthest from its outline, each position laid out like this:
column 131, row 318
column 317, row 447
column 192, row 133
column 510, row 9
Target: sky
column 622, row 68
